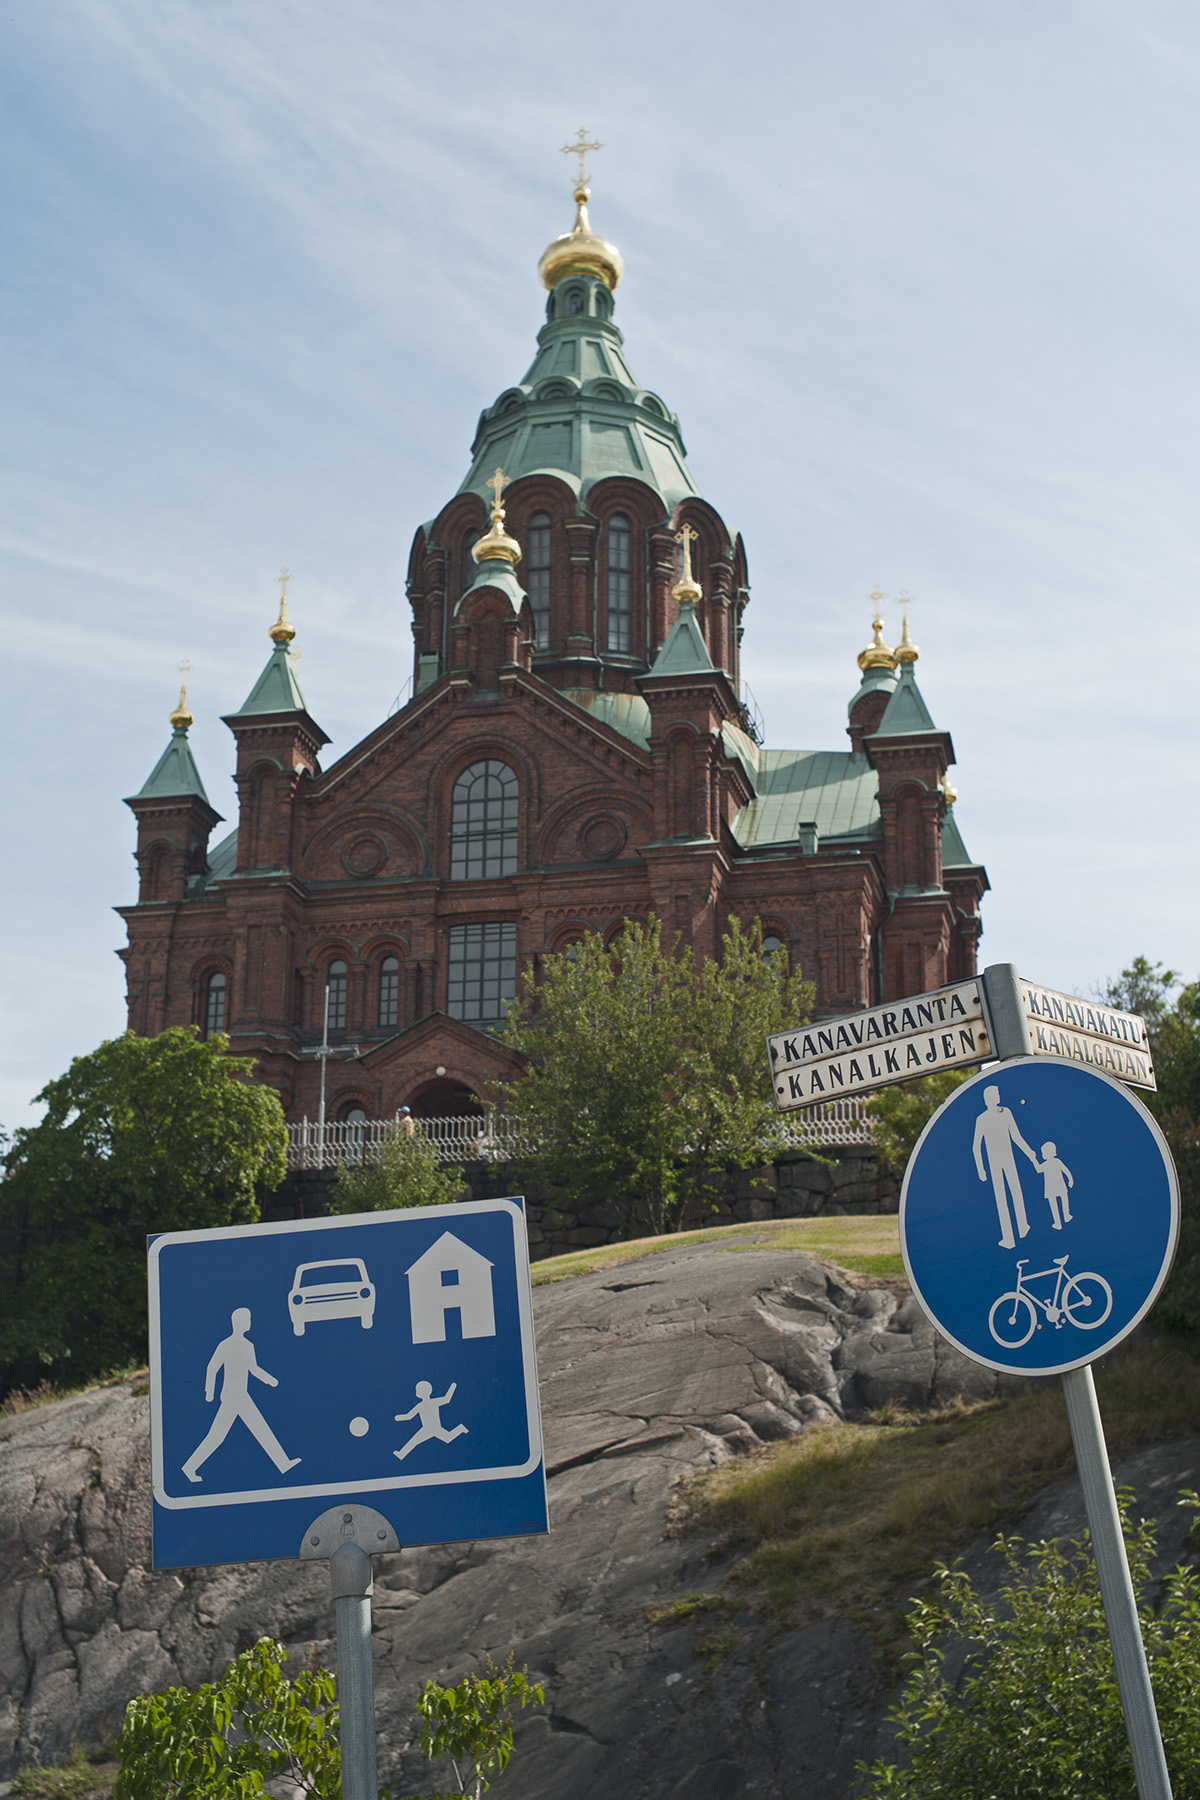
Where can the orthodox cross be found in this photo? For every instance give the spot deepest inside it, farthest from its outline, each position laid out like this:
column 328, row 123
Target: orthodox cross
column 582, row 149
column 185, row 669
column 282, row 579
column 686, row 536
column 497, row 483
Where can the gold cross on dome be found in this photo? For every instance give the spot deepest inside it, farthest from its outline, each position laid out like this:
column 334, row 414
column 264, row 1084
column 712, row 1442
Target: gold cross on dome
column 185, row 668
column 497, row 483
column 282, row 579
column 582, row 149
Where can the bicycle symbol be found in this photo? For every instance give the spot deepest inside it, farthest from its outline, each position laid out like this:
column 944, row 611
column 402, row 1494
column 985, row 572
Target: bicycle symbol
column 1084, row 1299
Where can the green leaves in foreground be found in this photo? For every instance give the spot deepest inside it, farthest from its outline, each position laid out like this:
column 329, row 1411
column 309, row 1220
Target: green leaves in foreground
column 472, row 1724
column 1036, row 1711
column 230, row 1737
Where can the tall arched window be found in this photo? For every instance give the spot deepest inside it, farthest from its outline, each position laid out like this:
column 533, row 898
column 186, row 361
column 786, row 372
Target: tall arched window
column 483, row 823
column 335, row 989
column 389, row 991
column 620, row 585
column 537, row 577
column 214, row 1004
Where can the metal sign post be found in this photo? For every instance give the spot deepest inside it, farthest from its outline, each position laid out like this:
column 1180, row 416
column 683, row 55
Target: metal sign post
column 1109, row 1197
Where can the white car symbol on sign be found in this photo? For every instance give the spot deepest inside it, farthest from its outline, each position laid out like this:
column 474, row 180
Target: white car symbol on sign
column 331, row 1290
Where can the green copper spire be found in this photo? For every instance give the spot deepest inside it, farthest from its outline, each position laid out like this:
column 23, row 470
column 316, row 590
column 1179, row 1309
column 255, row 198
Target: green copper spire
column 579, row 412
column 277, row 689
column 906, row 710
column 175, row 774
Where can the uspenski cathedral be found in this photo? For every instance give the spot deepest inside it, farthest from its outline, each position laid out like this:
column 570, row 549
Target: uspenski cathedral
column 576, row 751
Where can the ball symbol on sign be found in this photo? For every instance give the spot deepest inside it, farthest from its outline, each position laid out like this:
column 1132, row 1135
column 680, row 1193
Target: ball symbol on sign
column 359, row 1427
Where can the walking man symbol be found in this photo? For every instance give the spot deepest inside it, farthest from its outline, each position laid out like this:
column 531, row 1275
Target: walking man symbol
column 996, row 1131
column 235, row 1356
column 429, row 1411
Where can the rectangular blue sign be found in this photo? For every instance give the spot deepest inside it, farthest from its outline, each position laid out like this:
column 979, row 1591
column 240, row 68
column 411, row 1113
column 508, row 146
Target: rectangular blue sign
column 381, row 1358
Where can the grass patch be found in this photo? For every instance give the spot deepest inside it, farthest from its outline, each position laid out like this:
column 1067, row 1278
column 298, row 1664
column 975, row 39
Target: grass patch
column 866, row 1245
column 75, row 1779
column 19, row 1400
column 846, row 1519
column 689, row 1607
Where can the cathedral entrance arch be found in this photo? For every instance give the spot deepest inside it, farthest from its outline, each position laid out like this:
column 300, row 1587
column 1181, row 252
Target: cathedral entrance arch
column 445, row 1098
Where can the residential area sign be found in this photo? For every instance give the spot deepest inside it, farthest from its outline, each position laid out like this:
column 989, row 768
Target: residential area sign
column 379, row 1360
column 1086, row 1032
column 833, row 1057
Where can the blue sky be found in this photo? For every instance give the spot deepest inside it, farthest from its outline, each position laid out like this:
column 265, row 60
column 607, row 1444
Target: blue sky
column 919, row 277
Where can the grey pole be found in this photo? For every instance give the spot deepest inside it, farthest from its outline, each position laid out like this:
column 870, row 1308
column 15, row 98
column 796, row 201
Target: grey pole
column 1116, row 1588
column 1010, row 1037
column 350, row 1576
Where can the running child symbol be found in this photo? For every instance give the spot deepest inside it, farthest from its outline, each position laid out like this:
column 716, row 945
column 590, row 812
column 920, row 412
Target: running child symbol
column 1058, row 1179
column 235, row 1356
column 429, row 1411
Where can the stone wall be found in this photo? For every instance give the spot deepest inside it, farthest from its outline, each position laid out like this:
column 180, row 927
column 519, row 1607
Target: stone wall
column 794, row 1186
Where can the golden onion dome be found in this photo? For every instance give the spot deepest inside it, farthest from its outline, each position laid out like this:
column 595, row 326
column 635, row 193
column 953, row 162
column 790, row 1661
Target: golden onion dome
column 181, row 719
column 878, row 654
column 282, row 631
column 906, row 650
column 496, row 545
column 580, row 252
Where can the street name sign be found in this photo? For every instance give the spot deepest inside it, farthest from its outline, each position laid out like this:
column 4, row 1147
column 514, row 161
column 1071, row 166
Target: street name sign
column 1039, row 1216
column 899, row 1042
column 381, row 1360
column 1084, row 1031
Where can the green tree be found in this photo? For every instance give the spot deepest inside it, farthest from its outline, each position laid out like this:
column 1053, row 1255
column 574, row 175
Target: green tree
column 472, row 1724
column 405, row 1173
column 901, row 1113
column 644, row 1075
column 143, row 1135
column 1036, row 1710
column 229, row 1737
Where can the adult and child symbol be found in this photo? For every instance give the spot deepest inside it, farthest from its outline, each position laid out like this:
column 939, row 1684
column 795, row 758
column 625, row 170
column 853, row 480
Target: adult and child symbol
column 996, row 1132
column 235, row 1361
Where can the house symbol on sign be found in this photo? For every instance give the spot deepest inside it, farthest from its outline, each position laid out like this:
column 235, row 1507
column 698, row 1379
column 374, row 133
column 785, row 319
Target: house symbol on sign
column 450, row 1275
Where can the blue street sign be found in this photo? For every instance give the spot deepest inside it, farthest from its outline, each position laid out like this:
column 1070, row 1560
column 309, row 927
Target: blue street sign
column 385, row 1359
column 1039, row 1216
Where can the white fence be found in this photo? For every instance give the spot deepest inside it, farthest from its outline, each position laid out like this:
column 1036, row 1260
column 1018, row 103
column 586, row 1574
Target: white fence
column 495, row 1138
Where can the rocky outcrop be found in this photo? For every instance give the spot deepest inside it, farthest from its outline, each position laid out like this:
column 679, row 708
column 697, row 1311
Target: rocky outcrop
column 649, row 1371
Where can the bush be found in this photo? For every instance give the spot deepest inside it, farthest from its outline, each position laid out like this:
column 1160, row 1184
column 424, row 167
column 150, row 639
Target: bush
column 405, row 1173
column 1036, row 1710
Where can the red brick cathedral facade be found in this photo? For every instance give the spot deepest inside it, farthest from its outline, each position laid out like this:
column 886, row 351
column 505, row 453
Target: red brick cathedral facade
column 576, row 752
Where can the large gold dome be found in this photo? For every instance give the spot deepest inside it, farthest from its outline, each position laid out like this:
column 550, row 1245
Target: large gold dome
column 580, row 252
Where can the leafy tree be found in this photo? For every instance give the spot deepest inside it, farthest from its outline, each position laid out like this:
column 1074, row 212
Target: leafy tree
column 229, row 1737
column 1036, row 1708
column 405, row 1173
column 901, row 1113
column 643, row 1074
column 143, row 1135
column 472, row 1724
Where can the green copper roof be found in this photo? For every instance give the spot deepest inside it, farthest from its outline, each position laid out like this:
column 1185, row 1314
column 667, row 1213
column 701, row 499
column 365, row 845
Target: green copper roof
column 579, row 412
column 906, row 711
column 276, row 689
column 175, row 772
column 833, row 790
column 626, row 713
column 877, row 679
column 496, row 573
column 684, row 652
column 954, row 851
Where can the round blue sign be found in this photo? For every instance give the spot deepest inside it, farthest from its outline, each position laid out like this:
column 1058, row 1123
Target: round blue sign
column 1039, row 1216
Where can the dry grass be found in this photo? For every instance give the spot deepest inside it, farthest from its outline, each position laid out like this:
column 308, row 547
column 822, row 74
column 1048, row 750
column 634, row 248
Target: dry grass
column 868, row 1246
column 847, row 1519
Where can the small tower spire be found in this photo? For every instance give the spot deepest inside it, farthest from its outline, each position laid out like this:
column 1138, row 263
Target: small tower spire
column 906, row 650
column 687, row 589
column 878, row 654
column 181, row 718
column 282, row 631
column 496, row 545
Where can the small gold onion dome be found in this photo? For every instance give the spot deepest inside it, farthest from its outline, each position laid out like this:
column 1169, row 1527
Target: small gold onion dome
column 906, row 650
column 181, row 719
column 282, row 631
column 878, row 654
column 687, row 587
column 496, row 545
column 950, row 792
column 580, row 252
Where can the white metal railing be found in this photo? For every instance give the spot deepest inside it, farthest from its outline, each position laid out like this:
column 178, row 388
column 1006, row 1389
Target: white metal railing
column 496, row 1137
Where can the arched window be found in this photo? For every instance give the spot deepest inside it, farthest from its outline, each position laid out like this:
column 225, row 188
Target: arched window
column 772, row 946
column 483, row 823
column 214, row 1004
column 356, row 1133
column 469, row 569
column 389, row 991
column 335, row 993
column 620, row 584
column 537, row 577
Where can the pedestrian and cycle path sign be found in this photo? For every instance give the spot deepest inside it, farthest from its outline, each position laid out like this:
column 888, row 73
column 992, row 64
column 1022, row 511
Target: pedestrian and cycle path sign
column 380, row 1359
column 1039, row 1215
